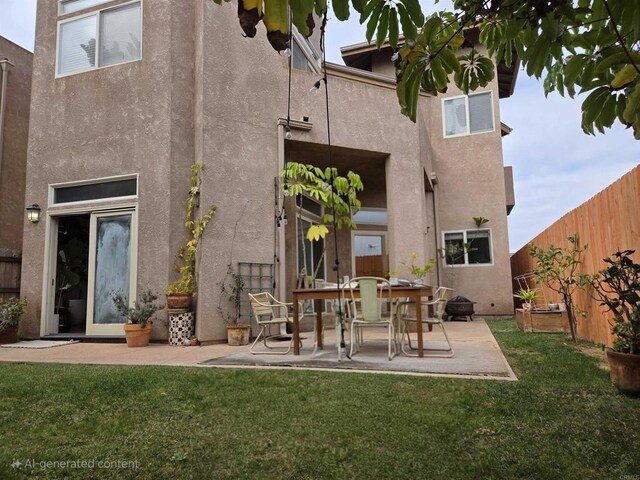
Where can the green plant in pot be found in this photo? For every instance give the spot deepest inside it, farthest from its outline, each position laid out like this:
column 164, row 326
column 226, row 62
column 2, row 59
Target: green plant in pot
column 618, row 288
column 139, row 316
column 179, row 292
column 11, row 310
column 419, row 271
column 528, row 296
column 232, row 289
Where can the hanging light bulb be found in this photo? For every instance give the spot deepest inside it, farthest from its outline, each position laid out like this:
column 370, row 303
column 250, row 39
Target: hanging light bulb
column 284, row 218
column 326, row 186
column 287, row 133
column 286, row 53
column 285, row 190
column 316, row 87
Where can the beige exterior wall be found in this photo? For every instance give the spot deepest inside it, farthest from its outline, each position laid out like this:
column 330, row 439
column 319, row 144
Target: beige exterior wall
column 13, row 157
column 202, row 92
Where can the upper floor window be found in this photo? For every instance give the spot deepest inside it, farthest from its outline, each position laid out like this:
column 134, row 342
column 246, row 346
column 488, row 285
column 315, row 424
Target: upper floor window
column 468, row 247
column 69, row 6
column 468, row 114
column 99, row 38
column 303, row 54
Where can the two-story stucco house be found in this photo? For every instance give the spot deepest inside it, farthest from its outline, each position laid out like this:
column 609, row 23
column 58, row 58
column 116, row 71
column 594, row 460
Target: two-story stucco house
column 128, row 94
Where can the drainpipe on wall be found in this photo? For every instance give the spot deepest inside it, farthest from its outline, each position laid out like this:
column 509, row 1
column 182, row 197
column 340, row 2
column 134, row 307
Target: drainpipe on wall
column 4, row 65
column 436, row 222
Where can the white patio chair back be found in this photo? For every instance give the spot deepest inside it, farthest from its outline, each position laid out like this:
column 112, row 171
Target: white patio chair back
column 267, row 311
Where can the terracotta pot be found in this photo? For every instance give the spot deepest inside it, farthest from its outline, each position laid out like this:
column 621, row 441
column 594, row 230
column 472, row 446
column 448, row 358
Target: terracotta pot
column 625, row 371
column 238, row 334
column 9, row 335
column 137, row 335
column 177, row 301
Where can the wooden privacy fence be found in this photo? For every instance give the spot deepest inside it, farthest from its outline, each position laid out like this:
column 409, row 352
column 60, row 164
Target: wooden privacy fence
column 608, row 222
column 9, row 277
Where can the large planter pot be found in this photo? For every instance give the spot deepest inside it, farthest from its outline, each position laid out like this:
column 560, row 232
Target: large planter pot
column 625, row 371
column 9, row 335
column 238, row 334
column 137, row 335
column 179, row 301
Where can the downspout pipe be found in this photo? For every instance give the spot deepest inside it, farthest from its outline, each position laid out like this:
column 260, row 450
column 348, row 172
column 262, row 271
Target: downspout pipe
column 4, row 65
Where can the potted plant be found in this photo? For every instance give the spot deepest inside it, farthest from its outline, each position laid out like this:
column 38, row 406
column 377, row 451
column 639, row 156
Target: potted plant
column 138, row 328
column 618, row 288
column 528, row 296
column 232, row 287
column 179, row 292
column 419, row 271
column 10, row 312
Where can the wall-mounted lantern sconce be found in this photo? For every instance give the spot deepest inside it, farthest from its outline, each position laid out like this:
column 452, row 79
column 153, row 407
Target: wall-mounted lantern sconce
column 33, row 213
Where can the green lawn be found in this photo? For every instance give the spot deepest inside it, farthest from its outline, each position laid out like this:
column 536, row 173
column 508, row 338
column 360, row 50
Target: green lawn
column 562, row 419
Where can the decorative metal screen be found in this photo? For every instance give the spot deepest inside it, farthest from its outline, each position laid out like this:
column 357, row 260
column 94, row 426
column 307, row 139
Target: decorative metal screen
column 257, row 277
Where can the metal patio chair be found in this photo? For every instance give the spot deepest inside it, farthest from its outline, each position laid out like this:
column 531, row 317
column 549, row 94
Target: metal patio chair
column 367, row 310
column 268, row 311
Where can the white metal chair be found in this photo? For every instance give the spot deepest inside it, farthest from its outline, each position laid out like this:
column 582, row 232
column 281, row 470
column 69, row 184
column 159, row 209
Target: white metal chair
column 439, row 303
column 367, row 310
column 269, row 311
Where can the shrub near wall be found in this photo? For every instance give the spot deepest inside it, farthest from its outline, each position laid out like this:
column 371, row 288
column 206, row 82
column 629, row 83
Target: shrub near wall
column 608, row 222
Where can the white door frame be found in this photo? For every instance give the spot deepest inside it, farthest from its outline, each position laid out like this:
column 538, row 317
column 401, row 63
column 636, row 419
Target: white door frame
column 48, row 326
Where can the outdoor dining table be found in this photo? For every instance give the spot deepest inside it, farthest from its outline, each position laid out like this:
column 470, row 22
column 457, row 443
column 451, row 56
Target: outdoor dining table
column 320, row 294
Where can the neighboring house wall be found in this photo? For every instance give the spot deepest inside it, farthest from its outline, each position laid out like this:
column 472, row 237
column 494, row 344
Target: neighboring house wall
column 608, row 223
column 13, row 154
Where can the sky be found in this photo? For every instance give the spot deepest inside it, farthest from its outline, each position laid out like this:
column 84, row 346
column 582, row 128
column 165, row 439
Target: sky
column 556, row 167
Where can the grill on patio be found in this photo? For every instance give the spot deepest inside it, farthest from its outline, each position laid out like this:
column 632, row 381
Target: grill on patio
column 458, row 308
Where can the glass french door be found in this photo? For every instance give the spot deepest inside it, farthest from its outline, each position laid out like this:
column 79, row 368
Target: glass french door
column 369, row 253
column 112, row 268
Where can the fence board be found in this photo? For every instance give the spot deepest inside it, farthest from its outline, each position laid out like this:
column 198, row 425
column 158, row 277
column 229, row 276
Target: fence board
column 10, row 277
column 608, row 222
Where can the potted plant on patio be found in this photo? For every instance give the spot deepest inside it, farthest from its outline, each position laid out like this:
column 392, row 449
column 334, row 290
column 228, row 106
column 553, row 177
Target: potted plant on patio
column 232, row 288
column 528, row 296
column 618, row 288
column 179, row 292
column 138, row 329
column 10, row 312
column 419, row 271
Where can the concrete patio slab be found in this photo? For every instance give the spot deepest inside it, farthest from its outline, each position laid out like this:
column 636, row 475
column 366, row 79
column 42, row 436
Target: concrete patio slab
column 477, row 355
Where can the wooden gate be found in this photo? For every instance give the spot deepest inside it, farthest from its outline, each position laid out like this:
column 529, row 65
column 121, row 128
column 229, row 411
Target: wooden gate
column 372, row 266
column 10, row 277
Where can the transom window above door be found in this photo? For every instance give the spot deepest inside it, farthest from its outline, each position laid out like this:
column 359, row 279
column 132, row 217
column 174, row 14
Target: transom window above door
column 98, row 38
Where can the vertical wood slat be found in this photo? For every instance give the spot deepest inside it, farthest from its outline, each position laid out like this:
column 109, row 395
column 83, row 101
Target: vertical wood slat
column 9, row 277
column 608, row 222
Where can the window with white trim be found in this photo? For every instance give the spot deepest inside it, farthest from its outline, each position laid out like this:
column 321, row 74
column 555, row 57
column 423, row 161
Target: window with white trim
column 303, row 54
column 468, row 114
column 100, row 38
column 468, row 247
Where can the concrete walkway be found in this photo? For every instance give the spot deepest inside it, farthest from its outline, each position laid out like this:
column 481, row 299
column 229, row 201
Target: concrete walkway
column 477, row 355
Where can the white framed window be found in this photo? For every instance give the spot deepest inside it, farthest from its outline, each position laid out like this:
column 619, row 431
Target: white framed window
column 70, row 6
column 100, row 38
column 468, row 247
column 468, row 114
column 303, row 54
column 371, row 216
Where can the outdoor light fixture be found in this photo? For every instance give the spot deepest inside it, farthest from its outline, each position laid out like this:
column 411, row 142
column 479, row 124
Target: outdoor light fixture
column 285, row 190
column 287, row 132
column 316, row 86
column 33, row 213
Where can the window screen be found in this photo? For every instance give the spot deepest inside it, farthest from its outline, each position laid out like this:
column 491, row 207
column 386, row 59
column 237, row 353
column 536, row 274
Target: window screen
column 120, row 35
column 95, row 191
column 480, row 113
column 371, row 217
column 479, row 246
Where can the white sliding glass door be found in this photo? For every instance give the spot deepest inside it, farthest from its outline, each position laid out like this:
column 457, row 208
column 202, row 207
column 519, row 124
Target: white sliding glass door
column 112, row 268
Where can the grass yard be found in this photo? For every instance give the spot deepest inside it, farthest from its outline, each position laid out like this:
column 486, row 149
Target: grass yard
column 562, row 419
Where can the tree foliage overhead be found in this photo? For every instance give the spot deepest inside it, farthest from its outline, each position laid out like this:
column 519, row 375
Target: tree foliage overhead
column 589, row 48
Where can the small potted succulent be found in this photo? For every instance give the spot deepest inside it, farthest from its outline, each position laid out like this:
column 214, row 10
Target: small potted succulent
column 528, row 296
column 618, row 288
column 10, row 312
column 139, row 324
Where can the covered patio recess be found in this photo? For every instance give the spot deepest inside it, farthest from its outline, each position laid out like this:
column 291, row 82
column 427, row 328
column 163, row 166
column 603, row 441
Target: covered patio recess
column 361, row 252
